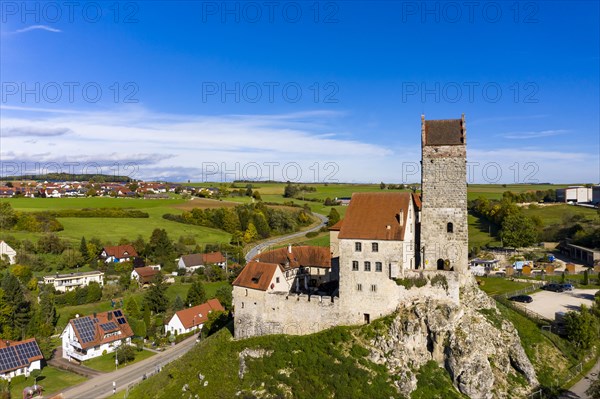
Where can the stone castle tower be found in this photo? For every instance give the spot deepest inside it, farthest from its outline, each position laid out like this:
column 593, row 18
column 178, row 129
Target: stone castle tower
column 444, row 228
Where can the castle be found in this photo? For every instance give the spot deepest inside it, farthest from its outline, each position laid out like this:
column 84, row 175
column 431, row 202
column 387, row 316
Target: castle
column 385, row 241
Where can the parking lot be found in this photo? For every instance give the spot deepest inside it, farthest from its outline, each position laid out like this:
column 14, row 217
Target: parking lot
column 546, row 303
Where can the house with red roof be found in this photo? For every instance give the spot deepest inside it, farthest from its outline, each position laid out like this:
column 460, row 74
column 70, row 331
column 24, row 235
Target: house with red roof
column 145, row 275
column 90, row 336
column 118, row 253
column 19, row 358
column 192, row 262
column 192, row 319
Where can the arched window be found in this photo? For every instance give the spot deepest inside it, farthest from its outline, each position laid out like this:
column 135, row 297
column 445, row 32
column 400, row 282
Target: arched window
column 450, row 227
column 440, row 264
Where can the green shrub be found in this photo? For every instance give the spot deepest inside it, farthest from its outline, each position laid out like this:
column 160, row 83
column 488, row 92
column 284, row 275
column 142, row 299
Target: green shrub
column 440, row 280
column 408, row 282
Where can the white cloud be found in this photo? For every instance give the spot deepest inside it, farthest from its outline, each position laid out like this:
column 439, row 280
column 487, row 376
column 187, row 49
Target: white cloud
column 38, row 27
column 534, row 134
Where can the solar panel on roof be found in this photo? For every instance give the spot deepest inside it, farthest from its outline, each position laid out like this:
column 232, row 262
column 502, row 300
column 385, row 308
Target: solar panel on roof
column 85, row 327
column 9, row 359
column 121, row 320
column 108, row 326
column 118, row 313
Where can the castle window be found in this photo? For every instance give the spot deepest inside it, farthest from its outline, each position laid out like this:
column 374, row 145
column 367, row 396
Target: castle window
column 355, row 265
column 375, row 247
column 277, row 280
column 359, row 287
column 378, row 267
column 450, row 227
column 373, row 288
column 242, row 305
column 246, row 292
column 357, row 246
column 367, row 266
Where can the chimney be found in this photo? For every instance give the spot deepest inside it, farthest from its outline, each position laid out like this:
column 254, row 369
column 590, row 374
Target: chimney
column 7, row 343
column 289, row 248
column 94, row 315
column 110, row 314
column 401, row 217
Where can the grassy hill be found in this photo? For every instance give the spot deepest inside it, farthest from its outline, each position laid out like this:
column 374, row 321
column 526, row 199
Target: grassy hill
column 329, row 364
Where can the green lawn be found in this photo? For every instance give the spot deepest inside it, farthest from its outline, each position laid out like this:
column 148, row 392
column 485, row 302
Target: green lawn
column 498, row 285
column 106, row 363
column 52, row 379
column 555, row 214
column 494, row 191
column 479, row 230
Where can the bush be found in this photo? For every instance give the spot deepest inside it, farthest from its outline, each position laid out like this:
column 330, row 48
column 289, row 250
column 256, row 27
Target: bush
column 125, row 353
column 440, row 280
column 312, row 234
column 408, row 282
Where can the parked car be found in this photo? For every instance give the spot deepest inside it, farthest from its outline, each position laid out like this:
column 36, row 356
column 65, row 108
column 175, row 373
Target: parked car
column 521, row 298
column 567, row 287
column 553, row 287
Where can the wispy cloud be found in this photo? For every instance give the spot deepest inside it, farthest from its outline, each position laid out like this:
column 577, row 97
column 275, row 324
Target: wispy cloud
column 24, row 131
column 38, row 27
column 533, row 134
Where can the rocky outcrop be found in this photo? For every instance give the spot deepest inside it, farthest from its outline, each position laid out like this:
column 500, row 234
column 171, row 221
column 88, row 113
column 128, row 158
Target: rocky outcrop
column 480, row 350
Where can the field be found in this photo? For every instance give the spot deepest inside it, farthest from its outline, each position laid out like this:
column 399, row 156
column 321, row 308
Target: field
column 555, row 214
column 52, row 379
column 494, row 191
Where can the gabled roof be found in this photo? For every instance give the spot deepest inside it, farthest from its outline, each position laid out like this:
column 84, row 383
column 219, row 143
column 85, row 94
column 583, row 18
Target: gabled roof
column 376, row 216
column 296, row 256
column 18, row 354
column 256, row 275
column 203, row 259
column 121, row 251
column 197, row 315
column 417, row 200
column 92, row 330
column 146, row 273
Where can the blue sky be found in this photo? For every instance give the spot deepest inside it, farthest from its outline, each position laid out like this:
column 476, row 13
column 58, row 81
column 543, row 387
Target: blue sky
column 310, row 91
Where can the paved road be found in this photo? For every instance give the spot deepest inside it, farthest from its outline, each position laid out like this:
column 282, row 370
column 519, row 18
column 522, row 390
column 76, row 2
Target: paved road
column 277, row 240
column 102, row 386
column 577, row 391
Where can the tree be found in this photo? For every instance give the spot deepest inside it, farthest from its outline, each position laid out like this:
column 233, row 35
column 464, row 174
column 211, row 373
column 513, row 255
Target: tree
column 518, row 230
column 382, row 186
column 290, row 190
column 125, row 353
column 256, row 195
column 250, row 234
column 8, row 218
column 586, row 277
column 178, row 303
column 83, row 249
column 196, row 295
column 155, row 298
column 333, row 217
column 225, row 296
column 160, row 248
column 581, row 328
column 133, row 309
column 594, row 390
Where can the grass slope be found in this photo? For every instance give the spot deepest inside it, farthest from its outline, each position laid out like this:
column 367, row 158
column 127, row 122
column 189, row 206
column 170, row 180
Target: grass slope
column 52, row 379
column 329, row 364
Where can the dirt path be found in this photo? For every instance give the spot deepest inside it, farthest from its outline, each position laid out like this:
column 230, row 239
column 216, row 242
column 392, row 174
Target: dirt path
column 60, row 362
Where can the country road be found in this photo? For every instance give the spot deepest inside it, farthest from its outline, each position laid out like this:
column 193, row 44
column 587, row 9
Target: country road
column 277, row 240
column 102, row 385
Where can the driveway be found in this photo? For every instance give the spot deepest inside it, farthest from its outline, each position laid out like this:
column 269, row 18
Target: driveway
column 547, row 303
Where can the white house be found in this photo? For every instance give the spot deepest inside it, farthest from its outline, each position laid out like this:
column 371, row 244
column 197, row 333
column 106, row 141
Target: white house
column 191, row 319
column 87, row 337
column 6, row 250
column 19, row 358
column 119, row 253
column 194, row 261
column 145, row 275
column 70, row 281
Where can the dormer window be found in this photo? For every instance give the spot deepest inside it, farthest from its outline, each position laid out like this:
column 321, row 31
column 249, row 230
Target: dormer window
column 450, row 227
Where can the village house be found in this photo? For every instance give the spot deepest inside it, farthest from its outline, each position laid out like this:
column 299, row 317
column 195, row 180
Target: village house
column 87, row 337
column 145, row 275
column 19, row 358
column 195, row 261
column 192, row 319
column 6, row 251
column 119, row 253
column 70, row 281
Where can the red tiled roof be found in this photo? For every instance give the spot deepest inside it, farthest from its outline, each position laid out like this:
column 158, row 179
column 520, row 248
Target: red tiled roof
column 337, row 226
column 197, row 315
column 121, row 251
column 19, row 355
column 203, row 259
column 146, row 273
column 376, row 216
column 99, row 332
column 256, row 275
column 304, row 255
column 417, row 200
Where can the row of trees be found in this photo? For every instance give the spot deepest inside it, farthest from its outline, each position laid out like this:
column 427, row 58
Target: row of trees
column 516, row 228
column 247, row 222
column 27, row 221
